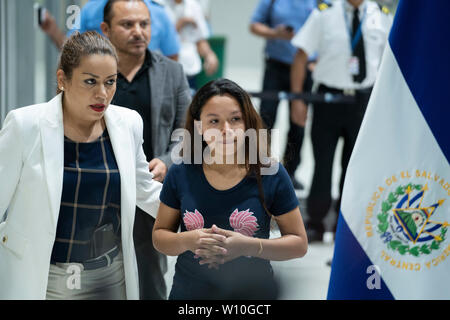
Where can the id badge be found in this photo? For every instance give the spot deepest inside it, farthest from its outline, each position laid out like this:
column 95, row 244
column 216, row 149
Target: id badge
column 353, row 66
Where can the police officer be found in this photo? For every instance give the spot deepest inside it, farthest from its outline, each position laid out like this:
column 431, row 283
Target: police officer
column 349, row 37
column 277, row 21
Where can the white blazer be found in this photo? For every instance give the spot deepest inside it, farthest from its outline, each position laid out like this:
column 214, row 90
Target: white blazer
column 31, row 180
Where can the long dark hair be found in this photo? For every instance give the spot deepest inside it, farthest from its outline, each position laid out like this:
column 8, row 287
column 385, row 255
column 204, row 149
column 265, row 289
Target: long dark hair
column 251, row 118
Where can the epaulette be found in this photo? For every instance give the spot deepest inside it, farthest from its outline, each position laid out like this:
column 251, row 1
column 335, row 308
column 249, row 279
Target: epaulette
column 384, row 9
column 159, row 2
column 324, row 6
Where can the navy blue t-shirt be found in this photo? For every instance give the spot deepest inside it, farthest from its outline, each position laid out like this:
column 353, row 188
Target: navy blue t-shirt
column 238, row 209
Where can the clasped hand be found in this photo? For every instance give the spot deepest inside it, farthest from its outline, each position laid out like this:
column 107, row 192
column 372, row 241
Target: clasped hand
column 215, row 246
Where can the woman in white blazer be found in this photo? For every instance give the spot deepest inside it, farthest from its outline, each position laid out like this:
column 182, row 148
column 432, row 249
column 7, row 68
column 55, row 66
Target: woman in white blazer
column 34, row 181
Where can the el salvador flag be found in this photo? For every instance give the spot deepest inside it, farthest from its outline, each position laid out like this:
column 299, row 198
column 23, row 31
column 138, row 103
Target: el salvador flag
column 392, row 240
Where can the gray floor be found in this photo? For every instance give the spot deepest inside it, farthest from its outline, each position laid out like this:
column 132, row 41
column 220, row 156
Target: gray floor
column 306, row 278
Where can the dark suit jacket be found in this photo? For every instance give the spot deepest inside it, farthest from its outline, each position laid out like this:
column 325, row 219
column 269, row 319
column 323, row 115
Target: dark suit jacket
column 170, row 98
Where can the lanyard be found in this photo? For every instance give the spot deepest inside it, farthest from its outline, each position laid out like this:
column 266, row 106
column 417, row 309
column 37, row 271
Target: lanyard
column 358, row 33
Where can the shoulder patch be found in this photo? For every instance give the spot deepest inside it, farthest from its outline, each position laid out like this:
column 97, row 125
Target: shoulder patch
column 324, row 6
column 158, row 2
column 384, row 9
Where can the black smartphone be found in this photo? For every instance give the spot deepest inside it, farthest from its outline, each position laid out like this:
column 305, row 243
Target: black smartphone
column 103, row 240
column 289, row 28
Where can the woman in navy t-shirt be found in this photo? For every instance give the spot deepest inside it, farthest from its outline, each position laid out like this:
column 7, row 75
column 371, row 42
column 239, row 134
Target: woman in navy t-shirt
column 224, row 195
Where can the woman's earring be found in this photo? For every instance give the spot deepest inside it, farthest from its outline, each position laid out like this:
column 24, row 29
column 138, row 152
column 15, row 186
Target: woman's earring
column 62, row 88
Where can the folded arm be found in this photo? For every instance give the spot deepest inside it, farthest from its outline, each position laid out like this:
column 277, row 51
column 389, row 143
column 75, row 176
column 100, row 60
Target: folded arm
column 292, row 244
column 168, row 241
column 298, row 73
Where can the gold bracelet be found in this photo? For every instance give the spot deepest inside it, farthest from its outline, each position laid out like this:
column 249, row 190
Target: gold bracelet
column 260, row 248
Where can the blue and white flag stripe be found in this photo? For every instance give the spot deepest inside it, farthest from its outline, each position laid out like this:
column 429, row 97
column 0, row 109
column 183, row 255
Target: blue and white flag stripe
column 419, row 41
column 403, row 141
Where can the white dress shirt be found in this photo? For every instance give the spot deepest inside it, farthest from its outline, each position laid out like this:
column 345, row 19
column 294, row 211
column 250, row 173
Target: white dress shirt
column 189, row 35
column 327, row 33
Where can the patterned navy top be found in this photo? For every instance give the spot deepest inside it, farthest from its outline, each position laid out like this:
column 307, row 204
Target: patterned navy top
column 237, row 209
column 90, row 197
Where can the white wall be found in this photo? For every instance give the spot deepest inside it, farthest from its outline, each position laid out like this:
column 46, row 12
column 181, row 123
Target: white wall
column 244, row 51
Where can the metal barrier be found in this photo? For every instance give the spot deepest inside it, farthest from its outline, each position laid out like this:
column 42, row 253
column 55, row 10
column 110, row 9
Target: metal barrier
column 307, row 97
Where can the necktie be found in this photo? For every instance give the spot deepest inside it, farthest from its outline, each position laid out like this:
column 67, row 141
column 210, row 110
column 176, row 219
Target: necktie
column 359, row 51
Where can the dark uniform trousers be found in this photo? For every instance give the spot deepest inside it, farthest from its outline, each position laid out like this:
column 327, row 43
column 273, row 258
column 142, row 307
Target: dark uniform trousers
column 151, row 264
column 277, row 78
column 330, row 122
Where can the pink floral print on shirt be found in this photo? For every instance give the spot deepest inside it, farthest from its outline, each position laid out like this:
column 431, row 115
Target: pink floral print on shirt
column 244, row 222
column 193, row 220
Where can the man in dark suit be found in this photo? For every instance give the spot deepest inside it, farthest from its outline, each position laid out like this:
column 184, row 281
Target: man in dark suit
column 157, row 88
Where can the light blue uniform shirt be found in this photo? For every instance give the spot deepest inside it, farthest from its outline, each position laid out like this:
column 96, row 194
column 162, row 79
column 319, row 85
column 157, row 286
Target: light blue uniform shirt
column 164, row 37
column 287, row 12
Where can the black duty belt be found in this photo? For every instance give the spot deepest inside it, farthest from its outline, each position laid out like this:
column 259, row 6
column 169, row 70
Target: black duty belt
column 324, row 95
column 346, row 92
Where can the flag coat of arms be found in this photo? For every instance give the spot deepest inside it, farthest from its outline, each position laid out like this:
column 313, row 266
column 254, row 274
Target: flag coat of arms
column 392, row 240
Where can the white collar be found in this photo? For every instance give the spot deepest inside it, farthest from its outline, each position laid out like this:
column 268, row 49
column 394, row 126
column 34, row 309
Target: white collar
column 349, row 7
